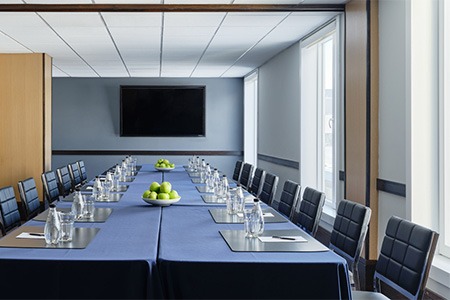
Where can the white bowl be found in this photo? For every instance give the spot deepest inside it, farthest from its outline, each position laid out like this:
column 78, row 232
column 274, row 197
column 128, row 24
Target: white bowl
column 164, row 169
column 159, row 202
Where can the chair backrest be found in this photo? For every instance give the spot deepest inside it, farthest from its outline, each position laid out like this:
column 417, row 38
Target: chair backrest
column 51, row 189
column 288, row 199
column 82, row 169
column 308, row 215
column 246, row 175
column 257, row 182
column 237, row 170
column 74, row 173
column 64, row 182
column 268, row 188
column 30, row 199
column 9, row 209
column 405, row 258
column 349, row 231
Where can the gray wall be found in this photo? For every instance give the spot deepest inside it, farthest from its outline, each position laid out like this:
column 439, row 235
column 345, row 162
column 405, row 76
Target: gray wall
column 86, row 117
column 392, row 106
column 278, row 113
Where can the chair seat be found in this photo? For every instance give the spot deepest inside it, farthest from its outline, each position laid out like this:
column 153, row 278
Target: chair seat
column 363, row 295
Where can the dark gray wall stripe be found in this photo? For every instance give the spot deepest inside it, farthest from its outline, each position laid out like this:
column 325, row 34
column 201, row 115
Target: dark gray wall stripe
column 146, row 152
column 280, row 161
column 391, row 187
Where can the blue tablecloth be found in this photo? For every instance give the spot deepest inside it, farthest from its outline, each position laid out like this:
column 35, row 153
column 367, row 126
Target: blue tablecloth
column 143, row 251
column 195, row 262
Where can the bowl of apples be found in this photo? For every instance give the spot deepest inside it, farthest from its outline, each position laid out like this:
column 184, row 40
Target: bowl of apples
column 164, row 165
column 161, row 194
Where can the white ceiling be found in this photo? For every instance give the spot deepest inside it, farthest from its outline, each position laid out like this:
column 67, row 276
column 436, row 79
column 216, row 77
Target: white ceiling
column 156, row 44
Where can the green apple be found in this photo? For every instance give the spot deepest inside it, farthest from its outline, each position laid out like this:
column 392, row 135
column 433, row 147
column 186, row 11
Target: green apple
column 154, row 187
column 165, row 187
column 172, row 165
column 174, row 194
column 166, row 162
column 146, row 194
column 153, row 195
column 160, row 160
column 163, row 196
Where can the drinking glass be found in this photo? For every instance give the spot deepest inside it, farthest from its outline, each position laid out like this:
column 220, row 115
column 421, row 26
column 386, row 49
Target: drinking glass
column 240, row 200
column 66, row 222
column 106, row 189
column 89, row 208
column 230, row 200
column 248, row 220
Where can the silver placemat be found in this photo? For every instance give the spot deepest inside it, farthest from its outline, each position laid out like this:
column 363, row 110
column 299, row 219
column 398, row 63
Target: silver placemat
column 194, row 174
column 237, row 242
column 220, row 216
column 101, row 214
column 212, row 199
column 80, row 240
column 203, row 189
column 122, row 188
column 114, row 197
column 197, row 180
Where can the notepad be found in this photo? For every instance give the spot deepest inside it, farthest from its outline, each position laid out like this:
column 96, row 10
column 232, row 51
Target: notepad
column 27, row 235
column 291, row 239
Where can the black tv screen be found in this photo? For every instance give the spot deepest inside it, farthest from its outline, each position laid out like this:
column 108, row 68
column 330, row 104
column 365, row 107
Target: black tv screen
column 162, row 111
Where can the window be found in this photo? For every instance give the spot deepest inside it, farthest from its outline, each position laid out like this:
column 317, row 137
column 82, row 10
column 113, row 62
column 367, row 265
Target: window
column 320, row 112
column 444, row 74
column 250, row 118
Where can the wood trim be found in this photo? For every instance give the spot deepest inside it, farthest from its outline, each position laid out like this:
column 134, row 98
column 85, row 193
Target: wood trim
column 47, row 112
column 169, row 8
column 147, row 152
column 280, row 161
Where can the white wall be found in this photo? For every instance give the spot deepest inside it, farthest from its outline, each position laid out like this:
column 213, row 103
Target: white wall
column 278, row 113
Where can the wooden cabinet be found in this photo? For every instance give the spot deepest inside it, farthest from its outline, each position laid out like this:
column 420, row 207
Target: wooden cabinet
column 25, row 118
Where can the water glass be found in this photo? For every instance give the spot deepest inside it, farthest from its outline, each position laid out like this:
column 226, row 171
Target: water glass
column 89, row 208
column 66, row 222
column 230, row 200
column 252, row 226
column 106, row 189
column 240, row 199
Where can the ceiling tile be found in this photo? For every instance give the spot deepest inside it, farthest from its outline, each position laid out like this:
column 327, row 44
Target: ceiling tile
column 133, row 19
column 253, row 19
column 193, row 19
column 59, row 20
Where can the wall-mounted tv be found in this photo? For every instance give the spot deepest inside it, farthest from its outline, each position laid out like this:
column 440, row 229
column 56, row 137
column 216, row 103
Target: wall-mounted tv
column 162, row 111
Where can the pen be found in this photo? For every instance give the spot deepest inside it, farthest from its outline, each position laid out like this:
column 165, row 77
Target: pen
column 36, row 234
column 283, row 238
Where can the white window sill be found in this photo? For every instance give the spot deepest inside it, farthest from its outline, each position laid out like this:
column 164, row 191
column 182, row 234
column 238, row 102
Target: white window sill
column 327, row 219
column 440, row 275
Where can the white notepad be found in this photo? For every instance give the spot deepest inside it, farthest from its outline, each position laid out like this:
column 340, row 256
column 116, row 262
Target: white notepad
column 289, row 239
column 27, row 235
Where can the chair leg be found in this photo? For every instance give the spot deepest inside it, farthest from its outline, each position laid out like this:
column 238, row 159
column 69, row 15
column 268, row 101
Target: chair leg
column 356, row 277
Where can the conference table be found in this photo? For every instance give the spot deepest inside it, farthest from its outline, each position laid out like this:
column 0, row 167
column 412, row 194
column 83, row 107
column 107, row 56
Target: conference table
column 143, row 251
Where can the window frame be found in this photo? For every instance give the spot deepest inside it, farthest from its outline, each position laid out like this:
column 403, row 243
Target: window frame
column 333, row 26
column 251, row 119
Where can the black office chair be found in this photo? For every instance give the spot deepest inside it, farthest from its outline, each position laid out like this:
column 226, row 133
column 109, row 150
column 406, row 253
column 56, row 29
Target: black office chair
column 82, row 169
column 349, row 232
column 246, row 175
column 237, row 170
column 74, row 173
column 51, row 189
column 269, row 188
column 257, row 182
column 308, row 215
column 288, row 199
column 64, row 182
column 9, row 209
column 405, row 260
column 30, row 199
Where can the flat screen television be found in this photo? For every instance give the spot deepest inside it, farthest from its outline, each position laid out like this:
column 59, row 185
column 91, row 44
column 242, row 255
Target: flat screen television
column 162, row 111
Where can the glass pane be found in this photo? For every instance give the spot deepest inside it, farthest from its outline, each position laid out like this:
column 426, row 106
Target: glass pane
column 328, row 120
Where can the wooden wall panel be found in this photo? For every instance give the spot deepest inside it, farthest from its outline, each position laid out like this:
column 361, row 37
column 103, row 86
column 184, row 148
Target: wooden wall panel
column 47, row 112
column 21, row 119
column 355, row 100
column 362, row 111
